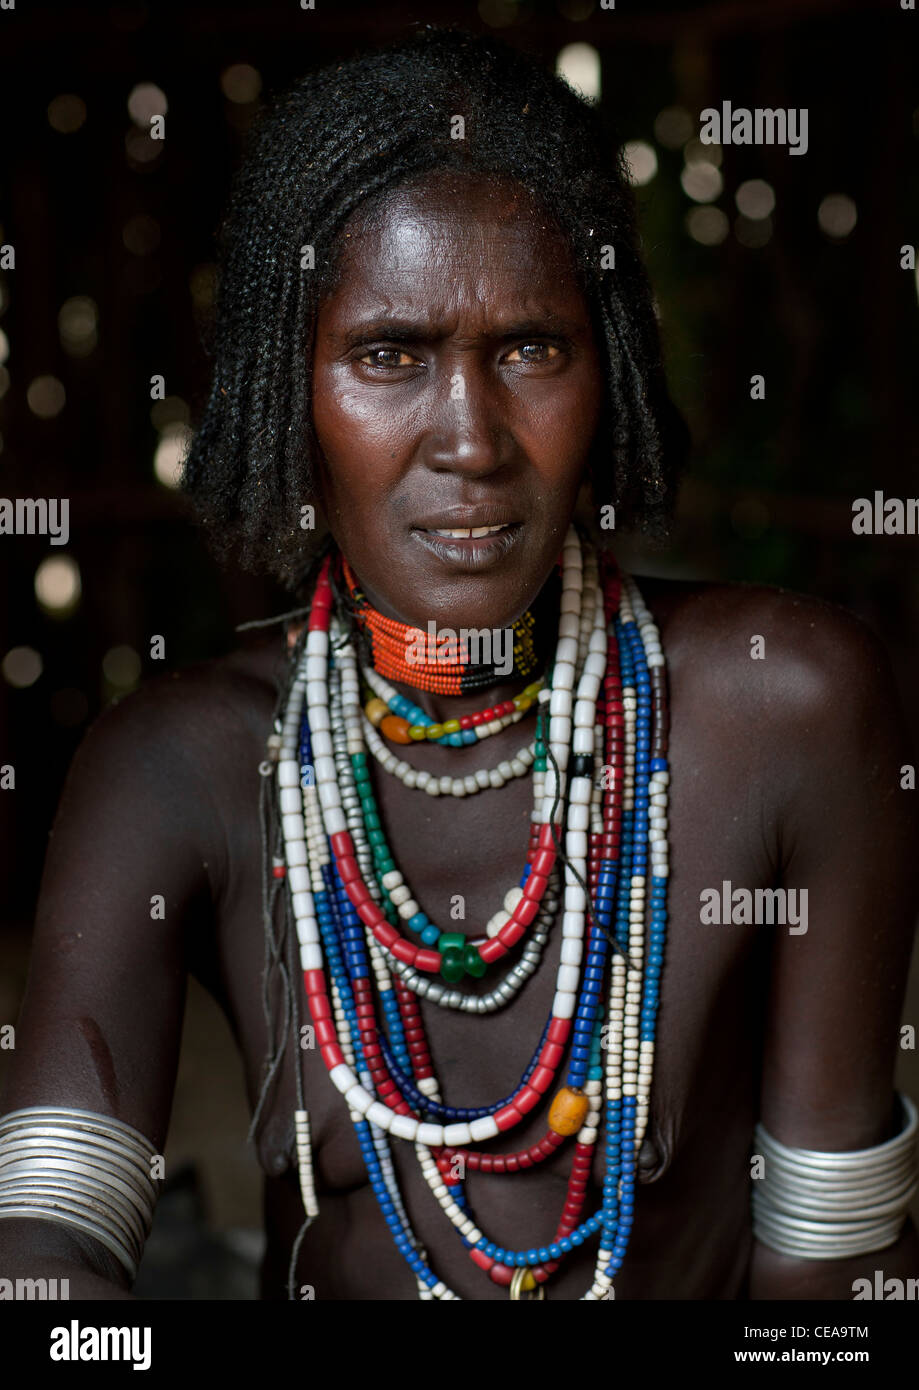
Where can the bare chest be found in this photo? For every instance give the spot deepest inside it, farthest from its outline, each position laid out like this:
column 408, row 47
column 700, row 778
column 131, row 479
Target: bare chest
column 460, row 856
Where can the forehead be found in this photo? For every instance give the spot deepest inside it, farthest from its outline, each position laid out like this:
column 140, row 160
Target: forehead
column 455, row 239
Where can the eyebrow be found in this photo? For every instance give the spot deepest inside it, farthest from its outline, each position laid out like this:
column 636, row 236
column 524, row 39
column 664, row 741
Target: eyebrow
column 398, row 329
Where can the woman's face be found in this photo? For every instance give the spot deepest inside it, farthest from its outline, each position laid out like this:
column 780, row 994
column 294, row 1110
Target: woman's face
column 457, row 384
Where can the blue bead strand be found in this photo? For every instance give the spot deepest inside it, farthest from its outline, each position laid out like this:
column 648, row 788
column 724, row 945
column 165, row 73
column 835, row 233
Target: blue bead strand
column 619, row 1195
column 453, row 1113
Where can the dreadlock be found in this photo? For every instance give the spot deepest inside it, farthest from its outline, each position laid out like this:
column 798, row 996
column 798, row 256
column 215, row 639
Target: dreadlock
column 341, row 140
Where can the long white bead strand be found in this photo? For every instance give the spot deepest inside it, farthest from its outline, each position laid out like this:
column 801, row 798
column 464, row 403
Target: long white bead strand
column 296, row 856
column 658, row 827
column 577, row 822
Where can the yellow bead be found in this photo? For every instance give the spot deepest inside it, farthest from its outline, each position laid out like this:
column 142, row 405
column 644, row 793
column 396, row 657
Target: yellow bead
column 568, row 1111
column 451, row 726
column 376, row 711
column 528, row 1283
column 435, row 730
column 523, row 702
column 417, row 731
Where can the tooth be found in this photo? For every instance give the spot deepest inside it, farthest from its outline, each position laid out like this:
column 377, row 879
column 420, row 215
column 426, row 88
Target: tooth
column 462, row 534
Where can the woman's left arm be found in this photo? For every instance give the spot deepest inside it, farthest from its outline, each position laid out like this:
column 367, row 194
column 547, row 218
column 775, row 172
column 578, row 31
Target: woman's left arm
column 850, row 839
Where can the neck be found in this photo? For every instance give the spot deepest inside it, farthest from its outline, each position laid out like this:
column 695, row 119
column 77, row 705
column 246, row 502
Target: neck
column 448, row 684
column 545, row 609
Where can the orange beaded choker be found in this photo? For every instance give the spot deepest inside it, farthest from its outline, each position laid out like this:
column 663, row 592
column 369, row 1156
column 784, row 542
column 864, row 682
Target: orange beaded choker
column 445, row 662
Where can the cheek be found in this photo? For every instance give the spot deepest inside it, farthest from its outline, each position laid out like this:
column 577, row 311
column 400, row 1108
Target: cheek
column 587, row 409
column 562, row 432
column 333, row 411
column 356, row 429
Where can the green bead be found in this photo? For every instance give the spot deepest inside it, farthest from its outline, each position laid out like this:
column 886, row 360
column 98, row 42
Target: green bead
column 376, row 837
column 451, row 941
column 475, row 965
column 434, row 731
column 451, row 726
column 451, row 967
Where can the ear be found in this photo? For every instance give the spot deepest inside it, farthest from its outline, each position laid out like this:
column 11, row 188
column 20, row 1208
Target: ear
column 597, row 518
column 303, row 547
column 310, row 514
column 584, row 507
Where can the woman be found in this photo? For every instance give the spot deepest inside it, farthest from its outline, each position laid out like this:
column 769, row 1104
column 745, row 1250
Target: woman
column 422, row 332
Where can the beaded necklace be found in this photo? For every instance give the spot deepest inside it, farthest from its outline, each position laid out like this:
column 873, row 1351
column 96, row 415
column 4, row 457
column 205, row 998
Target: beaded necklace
column 402, row 721
column 440, row 664
column 604, row 706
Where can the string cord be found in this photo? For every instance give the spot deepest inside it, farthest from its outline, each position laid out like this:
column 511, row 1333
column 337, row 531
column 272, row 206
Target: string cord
column 562, row 856
column 280, row 939
column 270, row 622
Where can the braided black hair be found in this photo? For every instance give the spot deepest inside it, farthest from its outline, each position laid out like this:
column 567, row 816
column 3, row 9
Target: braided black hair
column 338, row 140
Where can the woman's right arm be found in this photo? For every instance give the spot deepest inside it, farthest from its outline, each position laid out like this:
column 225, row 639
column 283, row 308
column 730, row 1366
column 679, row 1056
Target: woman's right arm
column 134, row 850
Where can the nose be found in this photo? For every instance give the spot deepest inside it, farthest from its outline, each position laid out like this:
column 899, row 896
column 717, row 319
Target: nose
column 469, row 430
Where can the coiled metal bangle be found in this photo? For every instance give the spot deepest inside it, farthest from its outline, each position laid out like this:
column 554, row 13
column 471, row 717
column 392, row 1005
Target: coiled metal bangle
column 818, row 1205
column 80, row 1169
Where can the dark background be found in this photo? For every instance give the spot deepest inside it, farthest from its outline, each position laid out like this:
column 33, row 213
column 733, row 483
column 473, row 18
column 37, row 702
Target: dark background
column 113, row 284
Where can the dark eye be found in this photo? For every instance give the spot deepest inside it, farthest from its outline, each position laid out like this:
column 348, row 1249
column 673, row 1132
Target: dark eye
column 387, row 357
column 534, row 352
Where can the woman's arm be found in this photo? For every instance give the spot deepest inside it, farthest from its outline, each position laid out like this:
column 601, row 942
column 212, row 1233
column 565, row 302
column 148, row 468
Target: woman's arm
column 129, row 859
column 850, row 838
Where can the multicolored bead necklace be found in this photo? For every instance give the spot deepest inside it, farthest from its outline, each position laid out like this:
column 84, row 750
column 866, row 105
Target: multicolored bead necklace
column 402, row 721
column 600, row 779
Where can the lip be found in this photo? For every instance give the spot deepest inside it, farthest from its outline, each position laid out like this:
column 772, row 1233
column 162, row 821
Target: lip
column 470, row 552
column 466, row 518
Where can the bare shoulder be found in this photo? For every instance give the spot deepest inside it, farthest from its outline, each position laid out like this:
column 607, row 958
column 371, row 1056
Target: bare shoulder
column 171, row 760
column 187, row 714
column 791, row 704
column 792, row 654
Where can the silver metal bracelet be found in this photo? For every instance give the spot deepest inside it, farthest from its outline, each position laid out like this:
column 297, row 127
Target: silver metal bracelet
column 80, row 1169
column 818, row 1205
